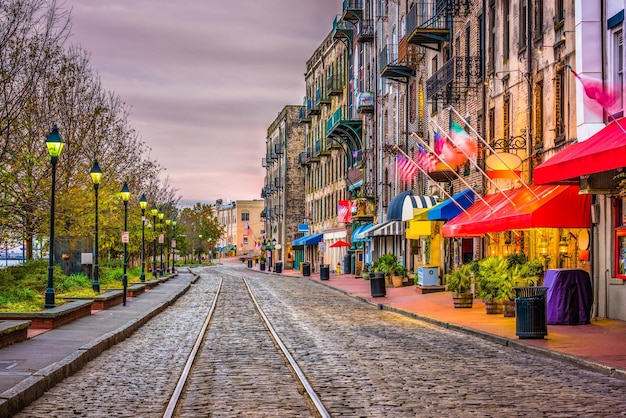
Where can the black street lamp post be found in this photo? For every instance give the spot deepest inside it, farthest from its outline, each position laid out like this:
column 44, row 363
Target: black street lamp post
column 174, row 246
column 54, row 143
column 125, row 196
column 154, row 212
column 168, row 231
column 161, row 239
column 272, row 250
column 143, row 204
column 96, row 176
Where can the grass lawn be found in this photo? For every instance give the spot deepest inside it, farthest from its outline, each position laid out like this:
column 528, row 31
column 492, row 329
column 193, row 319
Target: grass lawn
column 22, row 288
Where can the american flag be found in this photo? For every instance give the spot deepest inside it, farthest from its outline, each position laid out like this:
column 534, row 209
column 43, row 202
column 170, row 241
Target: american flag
column 406, row 168
column 425, row 159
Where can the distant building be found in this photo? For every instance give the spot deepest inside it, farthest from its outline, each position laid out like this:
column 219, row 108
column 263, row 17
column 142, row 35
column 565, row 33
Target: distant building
column 243, row 226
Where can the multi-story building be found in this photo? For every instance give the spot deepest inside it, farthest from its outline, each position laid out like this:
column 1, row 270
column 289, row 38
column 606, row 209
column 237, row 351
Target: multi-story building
column 284, row 182
column 243, row 226
column 504, row 76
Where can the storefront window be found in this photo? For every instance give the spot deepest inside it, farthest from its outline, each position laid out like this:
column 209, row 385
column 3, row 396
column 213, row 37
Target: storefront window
column 620, row 237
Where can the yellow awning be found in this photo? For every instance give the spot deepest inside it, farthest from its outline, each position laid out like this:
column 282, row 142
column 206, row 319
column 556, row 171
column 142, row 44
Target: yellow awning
column 420, row 214
column 417, row 229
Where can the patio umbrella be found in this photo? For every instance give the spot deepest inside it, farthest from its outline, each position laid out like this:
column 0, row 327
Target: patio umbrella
column 339, row 243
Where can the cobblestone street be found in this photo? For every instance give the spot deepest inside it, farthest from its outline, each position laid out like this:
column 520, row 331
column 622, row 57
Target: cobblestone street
column 361, row 361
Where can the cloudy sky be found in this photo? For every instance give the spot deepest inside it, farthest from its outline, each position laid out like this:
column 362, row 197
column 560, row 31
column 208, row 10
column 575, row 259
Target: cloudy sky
column 204, row 78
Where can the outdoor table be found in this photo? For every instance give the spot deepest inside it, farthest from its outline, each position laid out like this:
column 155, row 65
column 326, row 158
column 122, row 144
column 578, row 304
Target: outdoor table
column 569, row 296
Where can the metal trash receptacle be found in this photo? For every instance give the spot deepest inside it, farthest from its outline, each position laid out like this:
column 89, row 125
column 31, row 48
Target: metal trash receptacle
column 324, row 271
column 531, row 320
column 377, row 284
column 278, row 267
column 306, row 269
column 249, row 263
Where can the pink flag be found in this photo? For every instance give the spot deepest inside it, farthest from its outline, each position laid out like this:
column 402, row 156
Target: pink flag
column 439, row 142
column 344, row 211
column 406, row 168
column 595, row 90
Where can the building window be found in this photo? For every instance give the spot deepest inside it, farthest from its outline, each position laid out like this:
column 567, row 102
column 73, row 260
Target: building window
column 620, row 238
column 506, row 32
column 492, row 35
column 559, row 107
column 506, row 117
column 617, row 72
column 523, row 25
column 245, row 216
column 559, row 14
column 538, row 21
column 245, row 239
column 492, row 126
column 539, row 122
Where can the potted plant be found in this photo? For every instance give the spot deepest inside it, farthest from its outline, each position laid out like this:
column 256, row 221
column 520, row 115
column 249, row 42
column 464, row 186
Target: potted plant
column 459, row 281
column 495, row 282
column 387, row 263
column 397, row 275
column 365, row 272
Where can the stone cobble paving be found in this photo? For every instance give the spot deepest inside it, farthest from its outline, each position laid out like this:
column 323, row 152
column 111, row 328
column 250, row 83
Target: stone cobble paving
column 136, row 377
column 363, row 362
column 372, row 363
column 240, row 371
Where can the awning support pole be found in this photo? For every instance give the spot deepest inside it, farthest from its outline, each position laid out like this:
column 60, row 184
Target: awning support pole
column 453, row 110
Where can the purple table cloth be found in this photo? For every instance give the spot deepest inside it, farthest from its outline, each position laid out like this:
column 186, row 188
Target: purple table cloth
column 569, row 296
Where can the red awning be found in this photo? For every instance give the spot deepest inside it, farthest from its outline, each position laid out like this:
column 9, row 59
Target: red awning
column 604, row 151
column 557, row 207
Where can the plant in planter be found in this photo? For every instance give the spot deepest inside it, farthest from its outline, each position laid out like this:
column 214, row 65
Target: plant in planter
column 388, row 264
column 532, row 273
column 397, row 272
column 495, row 282
column 365, row 273
column 459, row 281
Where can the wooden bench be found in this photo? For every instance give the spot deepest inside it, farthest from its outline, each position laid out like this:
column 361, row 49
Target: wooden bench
column 53, row 317
column 13, row 331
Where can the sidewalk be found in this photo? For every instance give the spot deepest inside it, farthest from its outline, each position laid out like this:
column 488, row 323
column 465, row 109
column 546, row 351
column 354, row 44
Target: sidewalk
column 29, row 368
column 600, row 346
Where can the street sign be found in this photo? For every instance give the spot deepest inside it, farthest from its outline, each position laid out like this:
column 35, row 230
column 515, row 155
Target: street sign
column 125, row 237
column 161, row 239
column 173, row 243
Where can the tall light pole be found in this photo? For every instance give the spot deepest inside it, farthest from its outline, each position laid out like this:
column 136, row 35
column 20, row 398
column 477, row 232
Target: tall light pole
column 174, row 246
column 96, row 176
column 125, row 196
column 54, row 143
column 161, row 238
column 154, row 212
column 143, row 204
column 168, row 224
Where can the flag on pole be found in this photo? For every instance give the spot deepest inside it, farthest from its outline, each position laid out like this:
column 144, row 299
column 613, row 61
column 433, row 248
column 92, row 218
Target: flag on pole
column 406, row 168
column 425, row 159
column 596, row 91
column 344, row 211
column 462, row 140
column 439, row 143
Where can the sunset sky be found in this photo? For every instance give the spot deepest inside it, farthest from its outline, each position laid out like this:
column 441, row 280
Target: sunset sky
column 204, row 79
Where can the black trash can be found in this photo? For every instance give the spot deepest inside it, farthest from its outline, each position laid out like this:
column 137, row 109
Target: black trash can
column 278, row 267
column 531, row 320
column 262, row 266
column 249, row 263
column 347, row 263
column 306, row 269
column 324, row 271
column 377, row 284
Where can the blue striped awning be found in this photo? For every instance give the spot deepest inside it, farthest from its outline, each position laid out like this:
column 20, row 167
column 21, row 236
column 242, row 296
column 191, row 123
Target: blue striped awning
column 449, row 208
column 311, row 239
column 385, row 229
column 401, row 207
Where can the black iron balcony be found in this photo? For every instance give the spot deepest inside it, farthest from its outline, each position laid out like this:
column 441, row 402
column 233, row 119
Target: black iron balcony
column 342, row 29
column 352, row 9
column 428, row 23
column 455, row 77
column 390, row 66
column 334, row 86
column 365, row 30
column 303, row 116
